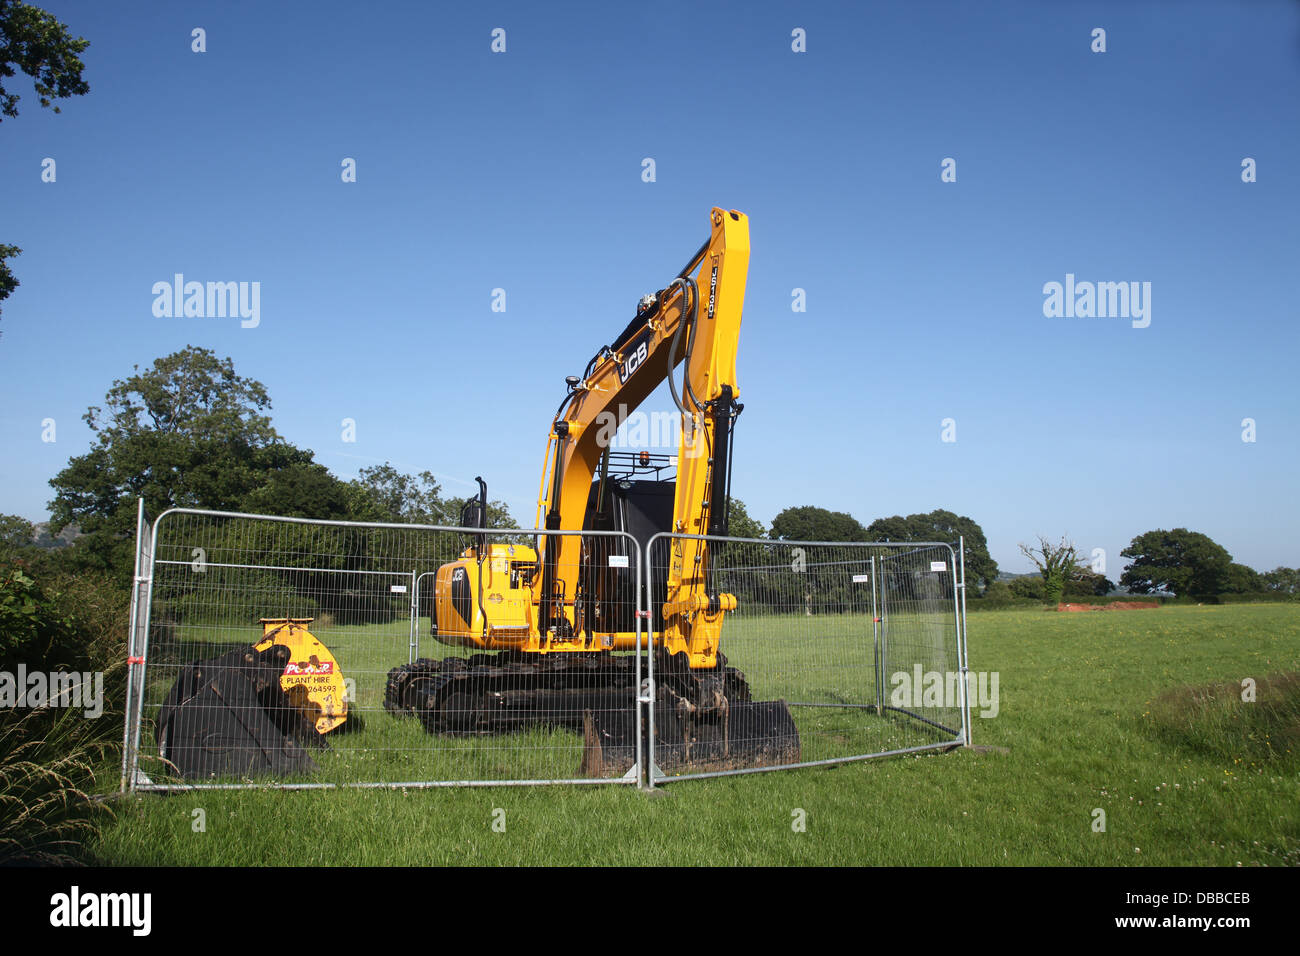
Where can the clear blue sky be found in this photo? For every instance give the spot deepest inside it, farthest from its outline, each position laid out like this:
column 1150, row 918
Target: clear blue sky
column 522, row 170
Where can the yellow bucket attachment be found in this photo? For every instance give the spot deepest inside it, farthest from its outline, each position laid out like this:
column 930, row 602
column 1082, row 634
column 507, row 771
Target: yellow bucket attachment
column 311, row 679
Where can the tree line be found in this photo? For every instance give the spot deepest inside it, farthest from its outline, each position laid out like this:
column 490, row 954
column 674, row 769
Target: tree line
column 1163, row 563
column 190, row 432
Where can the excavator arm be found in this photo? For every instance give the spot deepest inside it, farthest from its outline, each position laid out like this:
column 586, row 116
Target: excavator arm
column 694, row 322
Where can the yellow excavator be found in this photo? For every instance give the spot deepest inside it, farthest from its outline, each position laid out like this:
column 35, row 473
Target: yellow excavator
column 550, row 620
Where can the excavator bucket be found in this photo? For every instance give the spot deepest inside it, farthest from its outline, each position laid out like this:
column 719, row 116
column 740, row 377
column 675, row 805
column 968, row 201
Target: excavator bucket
column 704, row 720
column 255, row 710
column 311, row 677
column 749, row 734
column 229, row 716
column 740, row 735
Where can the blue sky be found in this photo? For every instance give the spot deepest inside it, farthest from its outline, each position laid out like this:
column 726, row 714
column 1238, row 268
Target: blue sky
column 522, row 171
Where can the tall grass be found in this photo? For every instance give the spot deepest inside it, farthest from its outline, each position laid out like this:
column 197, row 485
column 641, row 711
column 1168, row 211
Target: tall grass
column 54, row 758
column 1251, row 725
column 47, row 775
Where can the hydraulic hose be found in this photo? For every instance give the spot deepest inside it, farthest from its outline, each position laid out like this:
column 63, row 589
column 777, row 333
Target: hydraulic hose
column 690, row 345
column 690, row 305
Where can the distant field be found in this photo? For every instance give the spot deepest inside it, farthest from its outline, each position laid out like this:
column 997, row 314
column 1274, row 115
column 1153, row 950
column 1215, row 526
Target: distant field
column 1137, row 714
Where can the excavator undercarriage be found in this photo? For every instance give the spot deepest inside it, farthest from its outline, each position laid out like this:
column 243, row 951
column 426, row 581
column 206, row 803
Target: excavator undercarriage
column 702, row 719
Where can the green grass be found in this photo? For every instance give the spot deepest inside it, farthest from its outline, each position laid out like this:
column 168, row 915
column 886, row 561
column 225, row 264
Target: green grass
column 1129, row 712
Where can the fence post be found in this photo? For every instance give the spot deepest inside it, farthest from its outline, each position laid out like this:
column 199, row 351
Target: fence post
column 875, row 634
column 415, row 615
column 137, row 645
column 960, row 637
column 640, row 613
column 131, row 647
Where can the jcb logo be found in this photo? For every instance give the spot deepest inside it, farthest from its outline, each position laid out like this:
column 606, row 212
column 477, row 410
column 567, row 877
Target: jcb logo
column 458, row 574
column 633, row 361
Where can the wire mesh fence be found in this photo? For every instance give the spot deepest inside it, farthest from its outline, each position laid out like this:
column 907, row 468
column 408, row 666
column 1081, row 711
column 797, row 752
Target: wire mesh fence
column 306, row 654
column 832, row 652
column 285, row 650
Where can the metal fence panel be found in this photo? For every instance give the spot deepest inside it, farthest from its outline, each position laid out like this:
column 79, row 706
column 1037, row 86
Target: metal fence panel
column 862, row 643
column 921, row 660
column 219, row 583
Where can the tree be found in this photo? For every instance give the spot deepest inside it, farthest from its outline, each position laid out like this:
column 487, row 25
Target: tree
column 1241, row 579
column 1181, row 561
column 1028, row 586
column 1283, row 580
column 1057, row 564
column 944, row 526
column 1086, row 582
column 498, row 514
column 382, row 493
column 809, row 523
column 999, row 592
column 188, row 432
column 15, row 534
column 38, row 44
column 301, row 489
column 740, row 524
column 7, row 280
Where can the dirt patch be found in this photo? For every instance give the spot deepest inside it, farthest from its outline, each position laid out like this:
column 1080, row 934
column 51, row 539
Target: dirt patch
column 1115, row 606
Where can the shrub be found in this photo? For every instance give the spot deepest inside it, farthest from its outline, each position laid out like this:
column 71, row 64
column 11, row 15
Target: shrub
column 53, row 758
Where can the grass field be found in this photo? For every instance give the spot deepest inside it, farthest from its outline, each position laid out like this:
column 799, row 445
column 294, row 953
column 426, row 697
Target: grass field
column 1137, row 714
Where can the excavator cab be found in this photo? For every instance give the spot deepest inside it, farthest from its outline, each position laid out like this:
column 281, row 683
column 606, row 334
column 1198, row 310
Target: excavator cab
column 633, row 494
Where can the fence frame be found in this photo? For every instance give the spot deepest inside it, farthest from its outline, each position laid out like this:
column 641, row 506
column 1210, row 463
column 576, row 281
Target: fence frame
column 962, row 738
column 134, row 780
column 645, row 772
column 137, row 630
column 415, row 613
column 883, row 660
